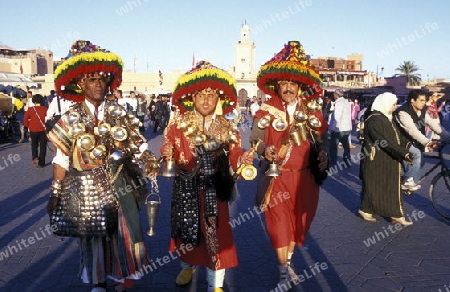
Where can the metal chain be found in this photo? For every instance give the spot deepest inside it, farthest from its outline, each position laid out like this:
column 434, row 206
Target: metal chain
column 154, row 185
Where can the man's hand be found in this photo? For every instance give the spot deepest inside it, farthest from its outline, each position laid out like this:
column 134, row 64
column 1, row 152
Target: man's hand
column 248, row 156
column 432, row 145
column 269, row 153
column 409, row 158
column 51, row 205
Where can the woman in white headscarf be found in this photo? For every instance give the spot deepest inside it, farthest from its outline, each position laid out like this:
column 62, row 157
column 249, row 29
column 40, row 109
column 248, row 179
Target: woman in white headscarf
column 384, row 149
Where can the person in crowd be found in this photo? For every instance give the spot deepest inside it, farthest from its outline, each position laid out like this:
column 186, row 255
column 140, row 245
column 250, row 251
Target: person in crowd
column 141, row 111
column 383, row 149
column 118, row 94
column 162, row 113
column 355, row 110
column 434, row 111
column 28, row 100
column 203, row 153
column 340, row 127
column 50, row 98
column 298, row 148
column 254, row 107
column 248, row 103
column 412, row 119
column 34, row 120
column 133, row 102
column 151, row 109
column 87, row 158
column 58, row 107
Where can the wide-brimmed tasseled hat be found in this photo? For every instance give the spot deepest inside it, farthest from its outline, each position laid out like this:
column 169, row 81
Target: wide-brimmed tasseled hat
column 86, row 58
column 291, row 63
column 205, row 75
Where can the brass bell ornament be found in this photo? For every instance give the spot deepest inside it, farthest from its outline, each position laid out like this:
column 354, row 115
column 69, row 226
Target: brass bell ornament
column 273, row 169
column 169, row 169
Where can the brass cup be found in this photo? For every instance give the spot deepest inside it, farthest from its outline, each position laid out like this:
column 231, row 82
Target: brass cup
column 119, row 133
column 264, row 122
column 102, row 129
column 76, row 129
column 313, row 105
column 98, row 152
column 279, row 124
column 248, row 172
column 73, row 118
column 211, row 145
column 300, row 116
column 314, row 122
column 86, row 142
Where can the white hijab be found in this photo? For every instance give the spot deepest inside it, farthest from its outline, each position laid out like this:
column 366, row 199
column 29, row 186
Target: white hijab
column 383, row 103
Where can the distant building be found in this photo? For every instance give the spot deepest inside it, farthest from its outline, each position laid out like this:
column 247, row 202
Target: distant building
column 35, row 62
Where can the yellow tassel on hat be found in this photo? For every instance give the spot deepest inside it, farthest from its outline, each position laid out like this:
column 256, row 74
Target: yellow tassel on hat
column 219, row 110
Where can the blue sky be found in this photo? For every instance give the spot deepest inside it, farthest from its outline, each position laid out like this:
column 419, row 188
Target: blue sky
column 165, row 34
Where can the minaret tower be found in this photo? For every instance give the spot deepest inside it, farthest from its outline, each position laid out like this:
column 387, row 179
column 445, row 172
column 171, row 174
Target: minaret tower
column 244, row 62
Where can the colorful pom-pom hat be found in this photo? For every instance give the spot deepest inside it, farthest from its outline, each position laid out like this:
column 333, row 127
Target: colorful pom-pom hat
column 205, row 75
column 292, row 64
column 84, row 57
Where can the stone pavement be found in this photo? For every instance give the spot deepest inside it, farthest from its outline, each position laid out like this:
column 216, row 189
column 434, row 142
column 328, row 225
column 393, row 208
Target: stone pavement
column 342, row 252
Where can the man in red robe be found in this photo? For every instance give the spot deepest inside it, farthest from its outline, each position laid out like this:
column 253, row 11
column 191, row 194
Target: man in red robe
column 204, row 145
column 293, row 131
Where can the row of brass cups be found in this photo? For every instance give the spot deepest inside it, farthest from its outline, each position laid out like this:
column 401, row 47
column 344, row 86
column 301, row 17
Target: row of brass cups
column 86, row 141
column 280, row 124
column 199, row 138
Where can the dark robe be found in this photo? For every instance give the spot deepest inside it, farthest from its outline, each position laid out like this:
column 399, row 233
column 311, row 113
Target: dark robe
column 383, row 150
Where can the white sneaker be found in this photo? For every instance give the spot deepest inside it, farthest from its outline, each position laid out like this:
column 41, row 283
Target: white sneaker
column 410, row 185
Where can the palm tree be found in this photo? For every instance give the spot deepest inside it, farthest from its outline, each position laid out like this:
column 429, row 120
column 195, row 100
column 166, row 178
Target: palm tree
column 408, row 68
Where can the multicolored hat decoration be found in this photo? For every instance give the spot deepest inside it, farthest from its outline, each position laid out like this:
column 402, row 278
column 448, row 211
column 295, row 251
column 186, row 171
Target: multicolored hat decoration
column 291, row 63
column 84, row 57
column 205, row 75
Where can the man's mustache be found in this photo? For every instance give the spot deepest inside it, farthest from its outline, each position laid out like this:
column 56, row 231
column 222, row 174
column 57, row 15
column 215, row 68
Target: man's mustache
column 288, row 91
